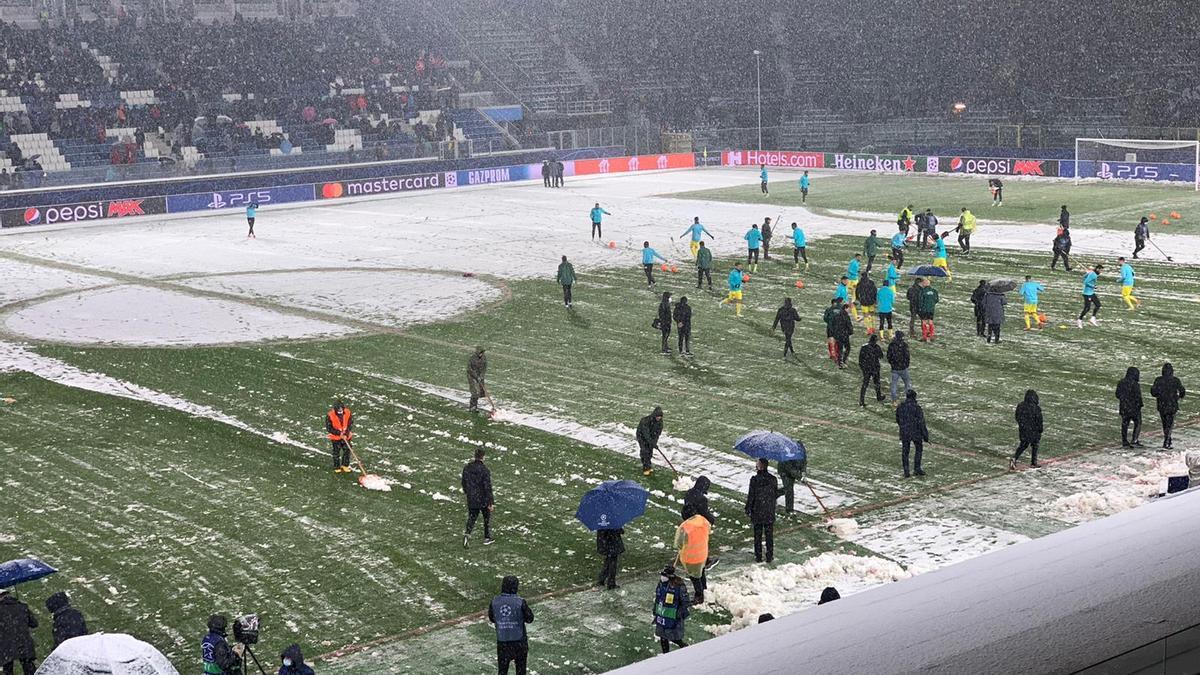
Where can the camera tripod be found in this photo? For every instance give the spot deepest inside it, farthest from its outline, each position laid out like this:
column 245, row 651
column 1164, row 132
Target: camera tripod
column 252, row 657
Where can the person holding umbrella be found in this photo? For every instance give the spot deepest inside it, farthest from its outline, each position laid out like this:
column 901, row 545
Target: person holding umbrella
column 789, row 453
column 760, row 507
column 16, row 640
column 607, row 508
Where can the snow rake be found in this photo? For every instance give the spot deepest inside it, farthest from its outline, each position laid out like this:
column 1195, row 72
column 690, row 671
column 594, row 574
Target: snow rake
column 1169, row 258
column 368, row 480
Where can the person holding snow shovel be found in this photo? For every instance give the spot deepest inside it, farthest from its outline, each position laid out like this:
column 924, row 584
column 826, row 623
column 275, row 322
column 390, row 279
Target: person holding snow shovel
column 476, row 372
column 339, row 423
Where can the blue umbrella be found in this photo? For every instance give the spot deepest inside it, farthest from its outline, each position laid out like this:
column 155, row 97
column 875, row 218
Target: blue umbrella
column 927, row 271
column 21, row 570
column 612, row 504
column 770, row 445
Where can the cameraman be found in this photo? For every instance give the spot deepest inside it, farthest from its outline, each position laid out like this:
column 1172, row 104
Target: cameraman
column 219, row 658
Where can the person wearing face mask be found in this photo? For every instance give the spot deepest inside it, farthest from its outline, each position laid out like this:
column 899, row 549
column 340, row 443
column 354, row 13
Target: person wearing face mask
column 293, row 662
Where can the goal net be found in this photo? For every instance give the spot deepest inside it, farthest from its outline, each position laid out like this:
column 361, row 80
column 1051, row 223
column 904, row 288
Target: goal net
column 1136, row 159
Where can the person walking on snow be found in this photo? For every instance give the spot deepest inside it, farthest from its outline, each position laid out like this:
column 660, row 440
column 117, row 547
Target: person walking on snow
column 870, row 249
column 853, row 272
column 509, row 613
column 905, row 219
column 697, row 231
column 1125, row 272
column 670, row 609
column 16, row 640
column 869, row 356
column 566, row 279
column 753, row 239
column 804, row 184
column 898, row 359
column 799, row 246
column 683, row 325
column 339, row 427
column 1064, row 218
column 898, row 244
column 736, row 279
column 940, row 257
column 767, row 233
column 966, row 227
column 1062, row 249
column 977, row 296
column 1030, row 292
column 843, row 328
column 1090, row 299
column 760, row 507
column 867, row 296
column 476, row 374
column 663, row 321
column 913, row 295
column 1140, row 234
column 892, row 275
column 1029, row 429
column 610, row 544
column 648, row 430
column 926, row 306
column 886, row 309
column 996, row 186
column 691, row 543
column 597, row 215
column 786, row 318
column 704, row 265
column 477, row 486
column 762, row 177
column 913, row 432
column 834, row 308
column 1129, row 405
column 993, row 309
column 649, row 255
column 1167, row 391
column 251, row 212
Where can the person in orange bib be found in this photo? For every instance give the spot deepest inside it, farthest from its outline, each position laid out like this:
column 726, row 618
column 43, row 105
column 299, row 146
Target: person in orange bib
column 339, row 424
column 691, row 540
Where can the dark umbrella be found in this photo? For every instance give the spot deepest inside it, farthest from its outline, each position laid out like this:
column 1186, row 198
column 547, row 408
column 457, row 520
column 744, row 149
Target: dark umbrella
column 770, row 445
column 612, row 504
column 927, row 271
column 22, row 570
column 1001, row 285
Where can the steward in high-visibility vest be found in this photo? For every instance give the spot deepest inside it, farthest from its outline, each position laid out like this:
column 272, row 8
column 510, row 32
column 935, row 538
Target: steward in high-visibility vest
column 691, row 540
column 339, row 425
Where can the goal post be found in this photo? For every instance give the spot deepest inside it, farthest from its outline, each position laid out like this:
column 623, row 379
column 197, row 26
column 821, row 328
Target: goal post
column 1138, row 159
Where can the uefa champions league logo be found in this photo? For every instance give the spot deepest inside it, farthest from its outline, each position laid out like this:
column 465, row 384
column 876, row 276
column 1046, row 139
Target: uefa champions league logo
column 604, row 522
column 506, row 611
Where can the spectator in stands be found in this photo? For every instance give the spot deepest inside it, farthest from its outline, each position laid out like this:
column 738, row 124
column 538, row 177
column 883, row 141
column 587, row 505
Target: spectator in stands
column 5, row 179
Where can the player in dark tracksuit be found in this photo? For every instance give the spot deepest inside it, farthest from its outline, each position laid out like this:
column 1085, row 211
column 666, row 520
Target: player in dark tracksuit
column 786, row 318
column 683, row 325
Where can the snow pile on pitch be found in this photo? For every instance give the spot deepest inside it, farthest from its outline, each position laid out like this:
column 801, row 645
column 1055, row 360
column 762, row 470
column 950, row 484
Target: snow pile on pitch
column 842, row 527
column 373, row 482
column 794, row 586
column 150, row 317
column 1133, row 485
column 683, row 483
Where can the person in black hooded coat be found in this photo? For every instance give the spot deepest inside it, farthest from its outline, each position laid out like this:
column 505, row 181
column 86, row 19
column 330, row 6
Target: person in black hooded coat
column 1129, row 396
column 664, row 321
column 68, row 621
column 509, row 612
column 293, row 662
column 16, row 640
column 1029, row 428
column 648, row 430
column 1167, row 390
column 695, row 501
column 610, row 544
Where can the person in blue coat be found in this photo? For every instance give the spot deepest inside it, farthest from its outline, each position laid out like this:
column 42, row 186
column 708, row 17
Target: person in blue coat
column 885, row 309
column 892, row 276
column 671, row 604
column 293, row 662
column 509, row 612
column 804, row 183
column 762, row 176
column 799, row 246
column 753, row 245
column 898, row 248
column 1090, row 299
column 597, row 215
column 648, row 257
column 697, row 231
column 251, row 212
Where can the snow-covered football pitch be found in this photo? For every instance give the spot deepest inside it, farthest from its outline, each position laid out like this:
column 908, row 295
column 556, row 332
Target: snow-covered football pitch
column 168, row 379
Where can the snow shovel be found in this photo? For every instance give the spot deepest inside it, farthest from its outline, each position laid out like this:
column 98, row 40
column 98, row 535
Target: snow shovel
column 818, row 498
column 492, row 403
column 664, row 456
column 1169, row 258
column 368, row 480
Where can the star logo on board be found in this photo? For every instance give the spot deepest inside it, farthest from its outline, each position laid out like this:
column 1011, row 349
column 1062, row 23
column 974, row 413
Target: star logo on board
column 910, row 164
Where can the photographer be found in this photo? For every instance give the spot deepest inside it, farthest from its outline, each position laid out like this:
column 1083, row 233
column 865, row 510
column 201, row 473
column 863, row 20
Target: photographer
column 219, row 658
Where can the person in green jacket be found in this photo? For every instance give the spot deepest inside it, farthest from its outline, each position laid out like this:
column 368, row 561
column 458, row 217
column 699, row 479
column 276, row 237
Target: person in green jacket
column 791, row 472
column 704, row 265
column 566, row 278
column 927, row 300
column 870, row 248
